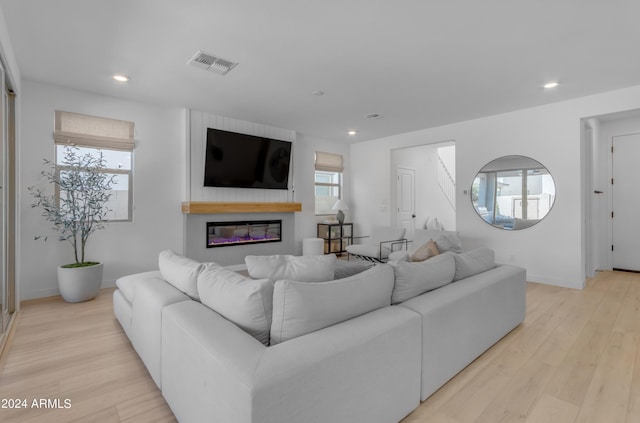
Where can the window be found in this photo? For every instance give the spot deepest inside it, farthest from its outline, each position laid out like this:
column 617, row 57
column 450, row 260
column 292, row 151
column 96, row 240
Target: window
column 114, row 139
column 328, row 181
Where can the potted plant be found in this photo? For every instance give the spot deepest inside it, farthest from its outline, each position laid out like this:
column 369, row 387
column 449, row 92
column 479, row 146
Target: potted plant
column 78, row 211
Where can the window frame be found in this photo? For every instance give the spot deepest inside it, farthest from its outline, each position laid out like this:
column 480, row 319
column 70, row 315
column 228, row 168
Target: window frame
column 327, row 163
column 337, row 185
column 97, row 134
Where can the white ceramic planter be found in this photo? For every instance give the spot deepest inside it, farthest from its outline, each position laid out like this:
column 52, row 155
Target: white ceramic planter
column 80, row 283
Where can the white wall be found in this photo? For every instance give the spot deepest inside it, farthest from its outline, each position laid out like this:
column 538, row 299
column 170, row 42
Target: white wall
column 124, row 247
column 306, row 146
column 551, row 251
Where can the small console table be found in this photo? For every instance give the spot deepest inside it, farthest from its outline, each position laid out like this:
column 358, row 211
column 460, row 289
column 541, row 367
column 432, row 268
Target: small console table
column 336, row 236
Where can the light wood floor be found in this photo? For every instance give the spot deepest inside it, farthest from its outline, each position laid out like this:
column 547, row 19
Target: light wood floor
column 576, row 358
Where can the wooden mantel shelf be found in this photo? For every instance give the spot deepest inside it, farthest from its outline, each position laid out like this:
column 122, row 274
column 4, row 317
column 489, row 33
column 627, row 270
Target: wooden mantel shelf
column 204, row 207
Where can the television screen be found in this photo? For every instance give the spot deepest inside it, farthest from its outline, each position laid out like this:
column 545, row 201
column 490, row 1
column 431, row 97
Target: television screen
column 245, row 161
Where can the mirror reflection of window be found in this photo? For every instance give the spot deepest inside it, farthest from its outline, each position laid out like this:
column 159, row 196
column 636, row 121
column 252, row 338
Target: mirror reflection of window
column 513, row 192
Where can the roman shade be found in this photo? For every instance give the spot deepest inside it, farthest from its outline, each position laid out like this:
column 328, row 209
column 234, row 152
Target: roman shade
column 329, row 162
column 92, row 131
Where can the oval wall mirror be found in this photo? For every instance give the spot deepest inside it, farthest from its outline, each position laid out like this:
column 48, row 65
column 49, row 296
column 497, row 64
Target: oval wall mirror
column 513, row 192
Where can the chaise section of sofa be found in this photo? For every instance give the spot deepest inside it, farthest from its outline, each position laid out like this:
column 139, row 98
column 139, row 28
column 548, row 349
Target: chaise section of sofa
column 463, row 319
column 363, row 369
column 138, row 305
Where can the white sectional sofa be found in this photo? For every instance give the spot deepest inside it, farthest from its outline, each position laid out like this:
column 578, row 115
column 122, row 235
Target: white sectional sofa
column 338, row 352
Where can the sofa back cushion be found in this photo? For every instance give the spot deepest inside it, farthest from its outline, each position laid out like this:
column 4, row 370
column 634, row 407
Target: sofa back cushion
column 181, row 272
column 447, row 241
column 444, row 240
column 473, row 262
column 415, row 278
column 300, row 308
column 297, row 268
column 244, row 301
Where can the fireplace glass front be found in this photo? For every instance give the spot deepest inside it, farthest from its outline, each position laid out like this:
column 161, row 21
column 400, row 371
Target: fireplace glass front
column 224, row 234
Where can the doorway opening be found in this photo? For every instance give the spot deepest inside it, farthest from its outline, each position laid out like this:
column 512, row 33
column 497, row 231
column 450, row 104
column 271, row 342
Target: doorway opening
column 423, row 186
column 611, row 145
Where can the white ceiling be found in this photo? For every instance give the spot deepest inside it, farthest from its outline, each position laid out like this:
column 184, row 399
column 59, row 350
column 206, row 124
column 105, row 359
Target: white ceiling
column 418, row 63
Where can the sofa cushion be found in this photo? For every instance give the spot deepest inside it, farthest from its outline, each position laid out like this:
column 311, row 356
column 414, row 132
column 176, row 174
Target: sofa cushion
column 344, row 269
column 300, row 308
column 447, row 241
column 425, row 251
column 415, row 278
column 181, row 272
column 473, row 262
column 297, row 268
column 444, row 240
column 402, row 255
column 127, row 283
column 244, row 301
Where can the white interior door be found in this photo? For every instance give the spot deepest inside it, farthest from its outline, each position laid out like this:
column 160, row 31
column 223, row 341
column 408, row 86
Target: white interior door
column 626, row 202
column 405, row 201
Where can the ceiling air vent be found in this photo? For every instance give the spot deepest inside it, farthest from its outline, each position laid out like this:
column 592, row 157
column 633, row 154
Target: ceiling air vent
column 211, row 62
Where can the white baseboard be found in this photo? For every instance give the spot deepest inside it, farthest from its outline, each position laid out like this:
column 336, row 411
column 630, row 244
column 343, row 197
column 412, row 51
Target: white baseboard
column 555, row 282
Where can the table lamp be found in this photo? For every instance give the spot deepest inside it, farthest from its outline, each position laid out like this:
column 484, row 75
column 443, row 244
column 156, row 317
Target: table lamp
column 340, row 206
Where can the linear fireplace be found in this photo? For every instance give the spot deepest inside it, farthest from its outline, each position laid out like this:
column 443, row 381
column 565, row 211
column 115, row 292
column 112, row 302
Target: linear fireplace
column 224, row 234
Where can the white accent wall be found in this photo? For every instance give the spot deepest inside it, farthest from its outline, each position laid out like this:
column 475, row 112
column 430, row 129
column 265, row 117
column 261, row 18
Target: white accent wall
column 296, row 226
column 195, row 238
column 124, row 247
column 199, row 122
column 552, row 251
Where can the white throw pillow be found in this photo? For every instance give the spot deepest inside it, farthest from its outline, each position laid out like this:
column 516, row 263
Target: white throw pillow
column 447, row 241
column 473, row 262
column 244, row 301
column 300, row 308
column 297, row 268
column 181, row 272
column 415, row 278
column 401, row 255
column 433, row 224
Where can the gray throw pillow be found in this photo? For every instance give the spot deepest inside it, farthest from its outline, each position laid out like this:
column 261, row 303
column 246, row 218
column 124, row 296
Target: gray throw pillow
column 415, row 278
column 300, row 308
column 473, row 262
column 181, row 272
column 244, row 301
column 447, row 241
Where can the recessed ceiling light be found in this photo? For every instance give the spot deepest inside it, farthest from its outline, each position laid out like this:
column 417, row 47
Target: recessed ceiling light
column 121, row 78
column 552, row 84
column 351, row 132
column 317, row 93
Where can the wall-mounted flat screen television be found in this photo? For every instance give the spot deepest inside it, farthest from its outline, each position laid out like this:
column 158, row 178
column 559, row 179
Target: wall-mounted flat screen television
column 245, row 161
